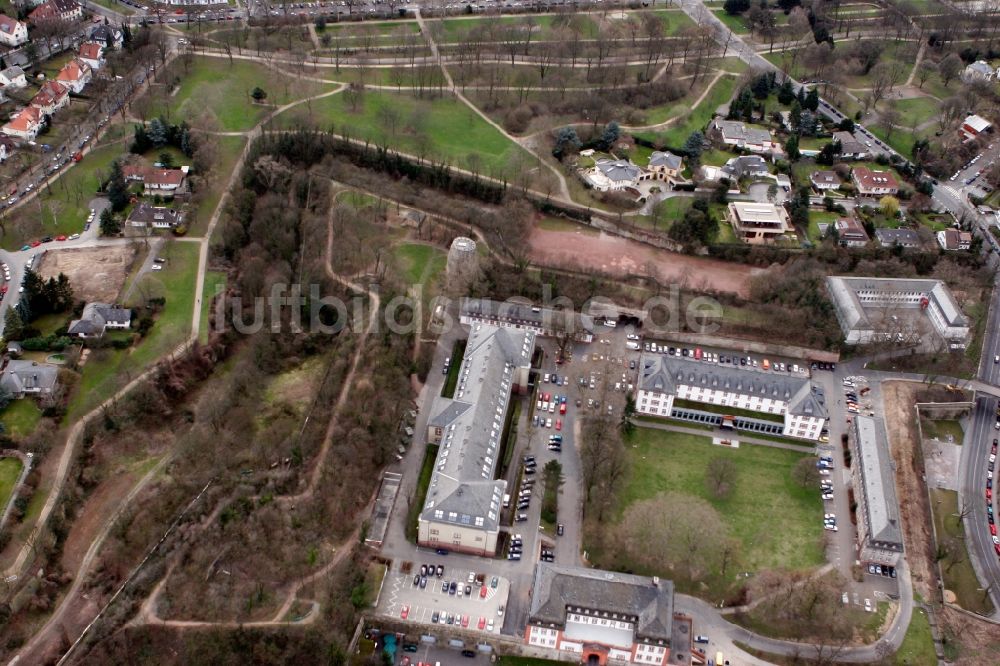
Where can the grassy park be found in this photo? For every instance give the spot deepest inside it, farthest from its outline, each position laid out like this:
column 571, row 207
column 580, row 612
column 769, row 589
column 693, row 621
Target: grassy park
column 20, row 417
column 775, row 519
column 693, row 119
column 959, row 576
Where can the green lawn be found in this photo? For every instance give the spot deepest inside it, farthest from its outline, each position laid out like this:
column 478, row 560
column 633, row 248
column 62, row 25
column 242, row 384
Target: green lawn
column 959, row 576
column 417, row 263
column 62, row 206
column 213, row 280
column 816, row 217
column 918, row 643
column 442, row 128
column 915, row 110
column 223, row 88
column 941, row 429
column 776, row 520
column 20, row 417
column 734, row 23
column 696, row 119
column 10, row 469
column 176, row 282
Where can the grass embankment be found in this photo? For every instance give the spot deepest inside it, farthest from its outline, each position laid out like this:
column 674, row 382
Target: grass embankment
column 942, row 429
column 457, row 352
column 10, row 470
column 420, row 495
column 108, row 370
column 695, row 119
column 959, row 576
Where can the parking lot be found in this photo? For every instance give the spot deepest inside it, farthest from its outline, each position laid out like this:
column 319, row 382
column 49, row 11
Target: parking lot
column 442, row 600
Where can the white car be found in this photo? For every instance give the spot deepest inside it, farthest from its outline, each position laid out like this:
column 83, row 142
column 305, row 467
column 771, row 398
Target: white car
column 548, row 423
column 868, row 606
column 73, row 237
column 156, row 267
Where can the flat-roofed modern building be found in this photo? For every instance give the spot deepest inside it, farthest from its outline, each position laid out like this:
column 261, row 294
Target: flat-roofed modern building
column 862, row 305
column 758, row 222
column 880, row 535
column 663, row 380
column 462, row 509
column 604, row 617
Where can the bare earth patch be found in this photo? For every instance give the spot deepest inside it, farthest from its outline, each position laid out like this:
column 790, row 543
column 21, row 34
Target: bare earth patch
column 96, row 273
column 621, row 257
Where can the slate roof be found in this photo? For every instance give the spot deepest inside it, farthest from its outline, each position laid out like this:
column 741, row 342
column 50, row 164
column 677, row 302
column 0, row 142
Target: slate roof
column 463, row 489
column 904, row 237
column 664, row 373
column 21, row 376
column 665, row 159
column 96, row 316
column 619, row 170
column 878, row 482
column 849, row 144
column 851, row 311
column 649, row 602
column 735, row 130
column 745, row 165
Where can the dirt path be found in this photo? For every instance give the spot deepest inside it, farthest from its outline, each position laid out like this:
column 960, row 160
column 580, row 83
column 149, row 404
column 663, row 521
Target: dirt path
column 580, row 250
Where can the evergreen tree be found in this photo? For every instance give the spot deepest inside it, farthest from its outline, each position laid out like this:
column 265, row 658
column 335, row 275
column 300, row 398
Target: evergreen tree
column 187, row 145
column 13, row 327
column 801, row 96
column 795, row 116
column 117, row 188
column 693, row 148
column 109, row 224
column 610, row 135
column 140, row 140
column 792, row 148
column 785, row 93
column 159, row 132
column 812, row 100
column 736, row 7
column 566, row 140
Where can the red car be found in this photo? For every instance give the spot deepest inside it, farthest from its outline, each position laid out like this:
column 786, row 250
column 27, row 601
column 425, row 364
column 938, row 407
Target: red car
column 482, row 592
column 989, row 494
column 405, row 612
column 60, row 237
column 482, row 621
column 3, row 289
column 993, row 530
column 559, row 427
column 465, row 621
column 996, row 547
column 546, row 397
column 36, row 243
column 562, row 408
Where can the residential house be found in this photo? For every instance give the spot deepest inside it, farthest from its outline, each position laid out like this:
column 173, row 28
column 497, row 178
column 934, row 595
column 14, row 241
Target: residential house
column 850, row 147
column 978, row 71
column 12, row 32
column 92, row 53
column 13, row 77
column 744, row 166
column 669, row 384
column 66, row 10
column 157, row 217
column 901, row 237
column 604, row 617
column 973, row 126
column 665, row 165
column 75, row 75
column 107, row 36
column 874, row 183
column 738, row 134
column 7, row 147
column 850, row 232
column 25, row 124
column 953, row 239
column 758, row 222
column 613, row 175
column 52, row 97
column 160, row 181
column 98, row 317
column 824, row 180
column 24, row 378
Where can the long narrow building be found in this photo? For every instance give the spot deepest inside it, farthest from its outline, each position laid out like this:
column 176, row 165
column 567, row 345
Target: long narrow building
column 462, row 508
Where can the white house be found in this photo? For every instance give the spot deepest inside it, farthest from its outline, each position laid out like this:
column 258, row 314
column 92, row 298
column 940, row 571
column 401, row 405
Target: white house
column 953, row 239
column 978, row 71
column 75, row 75
column 13, row 77
column 25, row 125
column 740, row 135
column 13, row 33
column 98, row 317
column 789, row 405
column 824, row 180
column 612, row 175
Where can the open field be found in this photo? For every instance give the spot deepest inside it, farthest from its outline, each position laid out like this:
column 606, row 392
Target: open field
column 959, row 576
column 776, row 520
column 441, row 128
column 10, row 469
column 20, row 417
column 109, row 370
column 419, row 263
column 96, row 273
column 918, row 644
column 221, row 88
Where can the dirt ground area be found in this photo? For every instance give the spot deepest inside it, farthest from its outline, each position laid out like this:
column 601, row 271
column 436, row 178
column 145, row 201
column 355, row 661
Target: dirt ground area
column 900, row 423
column 620, row 257
column 979, row 641
column 941, row 459
column 96, row 273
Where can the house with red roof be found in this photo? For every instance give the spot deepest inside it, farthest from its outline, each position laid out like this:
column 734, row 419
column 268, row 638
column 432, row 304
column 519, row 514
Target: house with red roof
column 75, row 75
column 25, row 124
column 65, row 10
column 159, row 181
column 12, row 32
column 92, row 53
column 874, row 183
column 52, row 97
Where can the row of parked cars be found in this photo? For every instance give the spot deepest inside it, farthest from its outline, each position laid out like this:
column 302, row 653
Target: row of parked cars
column 698, row 354
column 990, row 466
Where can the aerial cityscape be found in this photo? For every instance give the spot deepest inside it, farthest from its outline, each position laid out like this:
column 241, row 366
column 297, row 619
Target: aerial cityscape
column 518, row 332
